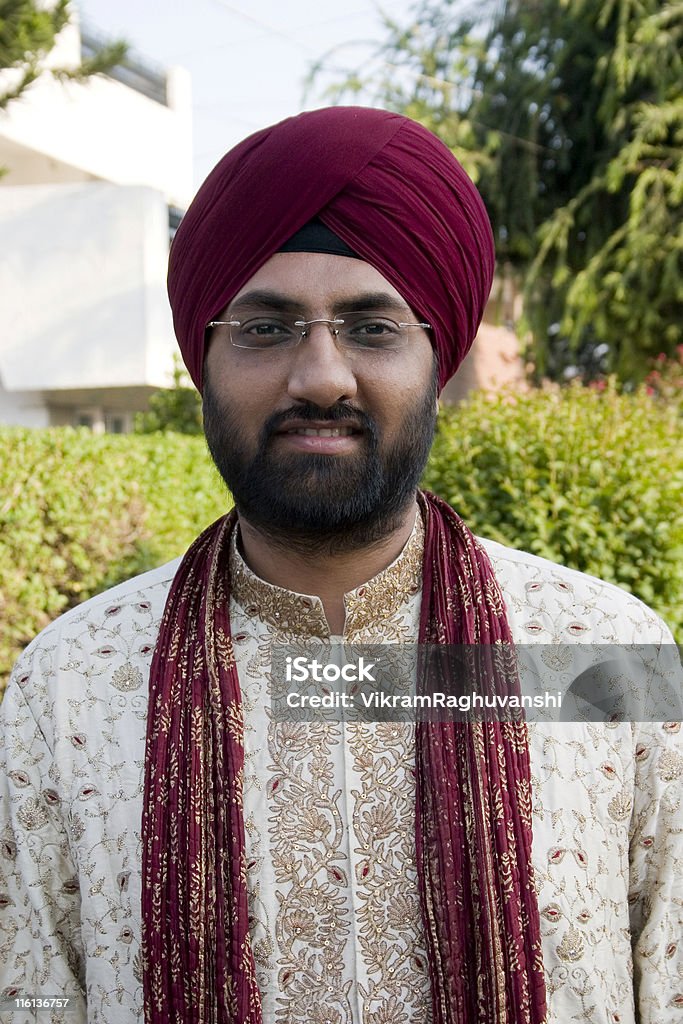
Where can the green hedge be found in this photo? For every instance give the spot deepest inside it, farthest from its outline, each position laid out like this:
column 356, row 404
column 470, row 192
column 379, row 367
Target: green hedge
column 590, row 479
column 80, row 513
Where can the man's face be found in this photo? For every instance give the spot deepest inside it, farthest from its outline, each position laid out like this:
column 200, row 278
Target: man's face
column 264, row 410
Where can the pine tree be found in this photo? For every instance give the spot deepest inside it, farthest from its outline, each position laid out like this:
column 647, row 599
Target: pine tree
column 569, row 114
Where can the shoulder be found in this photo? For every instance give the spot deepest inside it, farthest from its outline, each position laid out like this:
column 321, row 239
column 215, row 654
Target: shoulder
column 549, row 602
column 147, row 591
column 106, row 640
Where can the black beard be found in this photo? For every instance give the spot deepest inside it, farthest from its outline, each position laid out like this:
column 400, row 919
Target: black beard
column 322, row 503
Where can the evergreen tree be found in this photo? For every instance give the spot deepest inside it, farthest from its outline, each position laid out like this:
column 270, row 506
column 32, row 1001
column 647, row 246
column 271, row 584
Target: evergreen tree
column 570, row 115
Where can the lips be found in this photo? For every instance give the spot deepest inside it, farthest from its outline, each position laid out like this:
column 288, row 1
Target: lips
column 320, row 436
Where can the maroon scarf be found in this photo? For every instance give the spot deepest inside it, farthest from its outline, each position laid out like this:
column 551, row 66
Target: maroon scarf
column 473, row 808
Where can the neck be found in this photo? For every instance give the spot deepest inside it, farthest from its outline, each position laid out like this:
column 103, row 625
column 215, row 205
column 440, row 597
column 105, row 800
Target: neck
column 326, row 575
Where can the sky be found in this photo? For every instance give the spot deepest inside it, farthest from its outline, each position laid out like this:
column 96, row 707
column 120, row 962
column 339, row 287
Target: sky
column 249, row 58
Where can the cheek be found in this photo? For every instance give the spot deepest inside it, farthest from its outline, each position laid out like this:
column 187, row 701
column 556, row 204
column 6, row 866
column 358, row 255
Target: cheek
column 402, row 387
column 239, row 383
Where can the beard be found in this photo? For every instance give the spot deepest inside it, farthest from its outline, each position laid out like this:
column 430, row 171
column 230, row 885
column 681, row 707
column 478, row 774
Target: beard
column 322, row 503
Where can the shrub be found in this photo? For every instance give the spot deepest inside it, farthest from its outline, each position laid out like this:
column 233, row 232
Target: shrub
column 665, row 380
column 587, row 477
column 79, row 513
column 177, row 408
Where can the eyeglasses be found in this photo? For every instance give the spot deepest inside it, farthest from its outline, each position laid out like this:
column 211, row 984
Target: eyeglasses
column 360, row 331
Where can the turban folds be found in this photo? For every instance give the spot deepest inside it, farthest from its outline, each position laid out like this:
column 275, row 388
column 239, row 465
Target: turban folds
column 383, row 183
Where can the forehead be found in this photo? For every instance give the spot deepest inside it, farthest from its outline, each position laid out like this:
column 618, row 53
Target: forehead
column 318, row 281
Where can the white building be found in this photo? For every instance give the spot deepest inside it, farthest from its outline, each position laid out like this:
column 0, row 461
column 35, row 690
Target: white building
column 98, row 175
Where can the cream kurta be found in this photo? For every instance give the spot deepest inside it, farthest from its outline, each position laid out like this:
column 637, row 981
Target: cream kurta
column 335, row 920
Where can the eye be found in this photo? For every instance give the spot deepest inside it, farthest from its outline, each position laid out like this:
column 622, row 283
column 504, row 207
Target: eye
column 369, row 329
column 264, row 332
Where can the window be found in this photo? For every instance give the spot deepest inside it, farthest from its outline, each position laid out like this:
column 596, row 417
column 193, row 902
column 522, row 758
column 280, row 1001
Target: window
column 118, row 422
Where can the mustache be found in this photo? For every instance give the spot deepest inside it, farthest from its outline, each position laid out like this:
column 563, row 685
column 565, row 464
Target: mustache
column 309, row 411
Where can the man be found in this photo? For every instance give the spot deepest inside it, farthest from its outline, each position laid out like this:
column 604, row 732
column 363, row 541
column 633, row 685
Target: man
column 169, row 846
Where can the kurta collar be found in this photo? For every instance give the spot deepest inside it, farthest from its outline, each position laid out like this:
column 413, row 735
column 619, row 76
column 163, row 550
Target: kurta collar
column 303, row 615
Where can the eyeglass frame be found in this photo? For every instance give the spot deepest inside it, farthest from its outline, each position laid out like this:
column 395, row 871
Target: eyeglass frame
column 304, row 324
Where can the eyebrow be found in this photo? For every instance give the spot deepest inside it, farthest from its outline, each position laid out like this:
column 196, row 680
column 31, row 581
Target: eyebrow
column 284, row 304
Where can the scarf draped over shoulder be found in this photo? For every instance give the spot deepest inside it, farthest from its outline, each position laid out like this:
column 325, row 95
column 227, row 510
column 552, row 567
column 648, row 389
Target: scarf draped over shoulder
column 472, row 814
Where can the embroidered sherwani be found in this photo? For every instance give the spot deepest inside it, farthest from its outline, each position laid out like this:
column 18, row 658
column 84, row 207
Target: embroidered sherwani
column 335, row 920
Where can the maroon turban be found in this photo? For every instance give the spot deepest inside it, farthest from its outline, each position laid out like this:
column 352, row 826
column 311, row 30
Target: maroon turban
column 385, row 184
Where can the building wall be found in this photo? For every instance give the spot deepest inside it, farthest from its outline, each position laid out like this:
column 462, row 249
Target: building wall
column 92, row 169
column 103, row 410
column 83, row 285
column 493, row 362
column 98, row 129
column 23, row 408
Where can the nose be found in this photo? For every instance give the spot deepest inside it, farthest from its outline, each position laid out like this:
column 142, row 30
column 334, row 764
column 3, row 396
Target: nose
column 319, row 372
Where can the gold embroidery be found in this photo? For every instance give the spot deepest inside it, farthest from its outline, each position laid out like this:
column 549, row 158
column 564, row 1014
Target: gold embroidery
column 371, row 606
column 291, row 614
column 332, row 879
